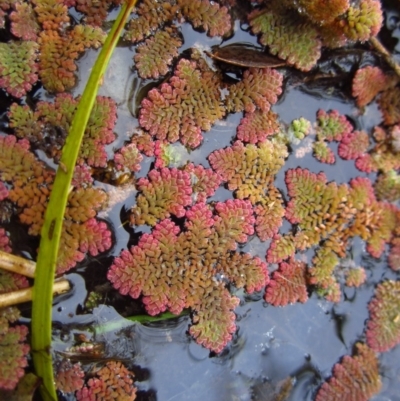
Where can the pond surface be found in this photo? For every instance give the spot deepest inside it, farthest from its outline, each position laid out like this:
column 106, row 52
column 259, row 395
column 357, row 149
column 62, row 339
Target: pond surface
column 296, row 344
column 277, row 353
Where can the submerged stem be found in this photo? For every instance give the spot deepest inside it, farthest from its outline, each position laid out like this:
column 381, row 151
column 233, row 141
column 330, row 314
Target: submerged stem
column 52, row 227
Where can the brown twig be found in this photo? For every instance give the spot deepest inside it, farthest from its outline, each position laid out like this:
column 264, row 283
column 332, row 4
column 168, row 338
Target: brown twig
column 386, row 55
column 25, row 295
column 15, row 264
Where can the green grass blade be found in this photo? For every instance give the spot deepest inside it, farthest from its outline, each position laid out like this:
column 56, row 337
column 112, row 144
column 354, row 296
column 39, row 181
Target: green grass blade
column 51, row 231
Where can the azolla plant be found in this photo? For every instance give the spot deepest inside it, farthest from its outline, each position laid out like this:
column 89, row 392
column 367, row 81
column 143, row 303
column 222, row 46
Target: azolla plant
column 187, row 252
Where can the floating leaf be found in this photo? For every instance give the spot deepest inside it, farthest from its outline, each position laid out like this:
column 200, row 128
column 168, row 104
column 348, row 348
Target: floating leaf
column 245, row 55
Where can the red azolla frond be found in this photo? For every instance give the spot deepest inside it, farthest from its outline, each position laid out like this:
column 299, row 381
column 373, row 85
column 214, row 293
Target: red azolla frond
column 144, row 142
column 199, row 220
column 245, row 271
column 380, row 134
column 298, row 130
column 259, row 88
column 58, row 54
column 18, row 67
column 17, row 163
column 102, row 120
column 353, row 145
column 112, row 382
column 323, row 265
column 93, row 153
column 7, row 4
column 387, row 186
column 164, row 154
column 302, row 184
column 33, row 198
column 368, row 82
column 127, row 272
column 118, row 379
column 154, row 57
column 324, row 11
column 362, row 193
column 366, row 163
column 235, row 221
column 83, row 203
column 330, row 290
column 69, row 377
column 23, row 22
column 5, row 244
column 362, row 21
column 331, row 125
column 95, row 237
column 204, row 181
column 8, row 315
column 31, row 187
column 383, row 326
column 59, row 113
column 269, row 214
column 95, row 10
column 318, row 208
column 151, row 15
column 24, row 122
column 389, row 104
column 282, row 247
column 249, row 169
column 225, row 161
column 128, row 158
column 215, row 20
column 354, row 378
column 54, row 119
column 214, row 320
column 69, row 254
column 394, row 254
column 165, row 112
column 381, row 227
column 384, row 155
column 355, row 277
column 175, row 270
column 164, row 192
column 82, row 176
column 323, row 153
column 99, row 132
column 52, row 14
column 277, row 32
column 13, row 354
column 11, row 281
column 257, row 126
column 288, row 284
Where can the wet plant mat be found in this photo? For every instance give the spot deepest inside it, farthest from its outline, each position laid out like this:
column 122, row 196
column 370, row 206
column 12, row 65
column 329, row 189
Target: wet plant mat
column 232, row 227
